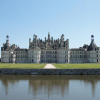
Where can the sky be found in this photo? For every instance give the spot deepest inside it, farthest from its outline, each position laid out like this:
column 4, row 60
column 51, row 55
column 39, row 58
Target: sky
column 76, row 19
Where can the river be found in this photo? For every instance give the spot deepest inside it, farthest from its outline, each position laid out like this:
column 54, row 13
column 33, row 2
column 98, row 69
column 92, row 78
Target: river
column 49, row 87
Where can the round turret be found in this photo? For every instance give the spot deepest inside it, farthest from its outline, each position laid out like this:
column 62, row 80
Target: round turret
column 92, row 46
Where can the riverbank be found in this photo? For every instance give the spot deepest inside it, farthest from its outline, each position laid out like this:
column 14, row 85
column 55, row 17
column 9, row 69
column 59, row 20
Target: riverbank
column 50, row 71
column 77, row 65
column 56, row 65
column 22, row 65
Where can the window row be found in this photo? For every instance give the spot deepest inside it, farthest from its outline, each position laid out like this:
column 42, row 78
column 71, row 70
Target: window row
column 78, row 56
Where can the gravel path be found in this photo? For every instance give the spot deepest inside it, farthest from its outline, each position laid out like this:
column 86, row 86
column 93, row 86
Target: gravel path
column 49, row 66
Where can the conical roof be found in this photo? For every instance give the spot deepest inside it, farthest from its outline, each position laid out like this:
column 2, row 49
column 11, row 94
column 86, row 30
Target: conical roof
column 92, row 46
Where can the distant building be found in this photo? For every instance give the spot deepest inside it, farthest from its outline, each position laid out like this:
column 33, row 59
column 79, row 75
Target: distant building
column 50, row 51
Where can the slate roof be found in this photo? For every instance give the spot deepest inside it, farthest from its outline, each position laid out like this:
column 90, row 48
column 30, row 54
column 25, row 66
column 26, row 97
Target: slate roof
column 18, row 49
column 77, row 49
column 92, row 46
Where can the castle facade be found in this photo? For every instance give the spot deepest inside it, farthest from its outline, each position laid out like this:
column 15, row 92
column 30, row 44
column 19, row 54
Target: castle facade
column 50, row 51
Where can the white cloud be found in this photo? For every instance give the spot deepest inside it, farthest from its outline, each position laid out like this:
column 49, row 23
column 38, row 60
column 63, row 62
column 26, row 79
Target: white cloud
column 0, row 56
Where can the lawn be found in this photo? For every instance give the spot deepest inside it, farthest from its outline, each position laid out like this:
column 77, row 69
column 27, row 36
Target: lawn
column 58, row 66
column 33, row 66
column 77, row 66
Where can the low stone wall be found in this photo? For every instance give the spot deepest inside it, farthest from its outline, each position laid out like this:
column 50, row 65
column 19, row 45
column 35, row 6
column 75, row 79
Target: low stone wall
column 50, row 71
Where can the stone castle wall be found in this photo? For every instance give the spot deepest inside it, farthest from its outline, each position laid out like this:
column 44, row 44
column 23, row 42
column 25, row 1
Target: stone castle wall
column 50, row 71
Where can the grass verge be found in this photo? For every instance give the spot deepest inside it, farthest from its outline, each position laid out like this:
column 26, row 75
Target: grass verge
column 19, row 66
column 77, row 66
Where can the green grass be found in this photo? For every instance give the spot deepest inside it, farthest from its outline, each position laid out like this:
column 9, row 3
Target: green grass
column 77, row 66
column 19, row 66
column 58, row 66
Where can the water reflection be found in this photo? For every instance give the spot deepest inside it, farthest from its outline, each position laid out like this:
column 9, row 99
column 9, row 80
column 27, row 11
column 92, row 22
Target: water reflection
column 50, row 85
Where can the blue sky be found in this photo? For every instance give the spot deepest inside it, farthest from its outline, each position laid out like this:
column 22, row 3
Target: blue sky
column 76, row 19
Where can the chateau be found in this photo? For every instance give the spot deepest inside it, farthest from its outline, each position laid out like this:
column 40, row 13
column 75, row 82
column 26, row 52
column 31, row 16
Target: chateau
column 50, row 51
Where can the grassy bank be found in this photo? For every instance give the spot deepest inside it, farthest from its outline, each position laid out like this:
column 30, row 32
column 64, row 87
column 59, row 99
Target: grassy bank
column 58, row 66
column 33, row 66
column 77, row 66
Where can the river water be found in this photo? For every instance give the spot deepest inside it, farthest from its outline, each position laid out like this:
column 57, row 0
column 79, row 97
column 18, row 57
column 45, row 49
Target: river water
column 49, row 87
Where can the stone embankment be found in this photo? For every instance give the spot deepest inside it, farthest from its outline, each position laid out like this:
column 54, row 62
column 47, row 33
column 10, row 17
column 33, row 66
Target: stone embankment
column 50, row 71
